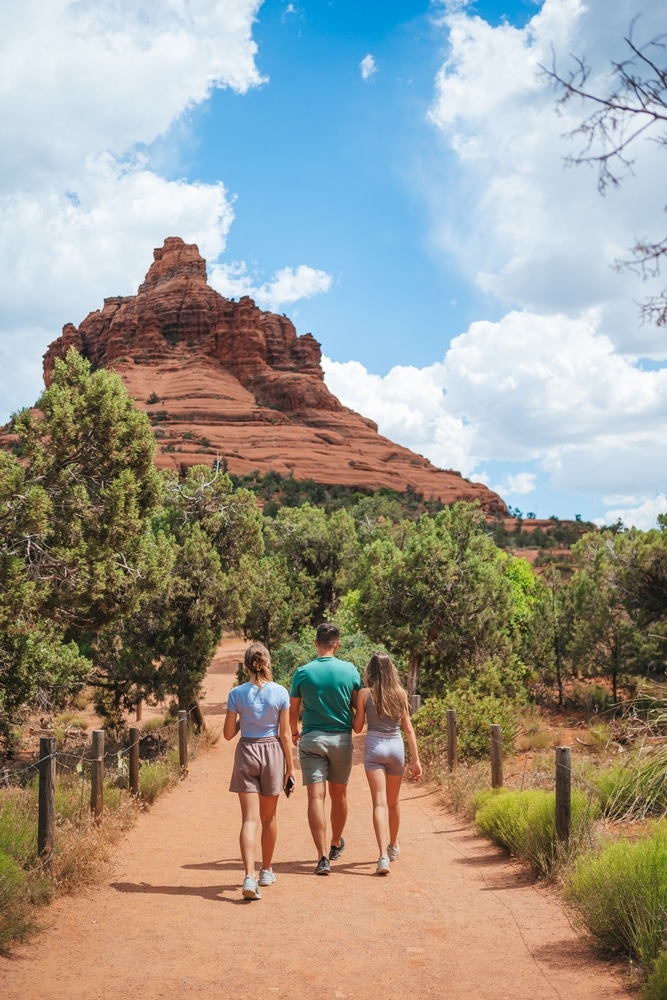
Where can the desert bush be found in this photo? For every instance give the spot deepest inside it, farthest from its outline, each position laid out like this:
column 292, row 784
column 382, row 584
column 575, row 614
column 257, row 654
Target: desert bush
column 619, row 895
column 15, row 916
column 525, row 824
column 474, row 715
column 655, row 987
column 638, row 789
column 18, row 826
column 154, row 779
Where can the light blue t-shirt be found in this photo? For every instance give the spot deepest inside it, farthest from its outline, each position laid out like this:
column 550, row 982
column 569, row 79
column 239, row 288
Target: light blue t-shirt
column 258, row 708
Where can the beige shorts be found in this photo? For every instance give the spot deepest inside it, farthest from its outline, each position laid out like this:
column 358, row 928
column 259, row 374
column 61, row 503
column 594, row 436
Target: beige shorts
column 259, row 766
column 325, row 757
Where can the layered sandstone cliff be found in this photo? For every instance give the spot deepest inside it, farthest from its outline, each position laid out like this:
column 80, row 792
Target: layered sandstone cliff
column 219, row 377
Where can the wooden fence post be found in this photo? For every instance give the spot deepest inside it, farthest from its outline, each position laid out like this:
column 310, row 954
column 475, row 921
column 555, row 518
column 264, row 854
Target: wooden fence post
column 452, row 752
column 97, row 775
column 134, row 760
column 563, row 794
column 496, row 757
column 46, row 823
column 415, row 703
column 183, row 738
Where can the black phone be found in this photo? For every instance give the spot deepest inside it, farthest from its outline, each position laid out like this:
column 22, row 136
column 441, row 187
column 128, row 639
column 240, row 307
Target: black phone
column 289, row 786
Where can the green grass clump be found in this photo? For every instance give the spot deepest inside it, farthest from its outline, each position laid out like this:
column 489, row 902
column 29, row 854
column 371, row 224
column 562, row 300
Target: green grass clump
column 15, row 912
column 638, row 790
column 656, row 984
column 525, row 824
column 154, row 779
column 619, row 895
column 18, row 826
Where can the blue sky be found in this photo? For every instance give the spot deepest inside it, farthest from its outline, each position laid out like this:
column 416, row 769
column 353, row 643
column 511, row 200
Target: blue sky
column 390, row 175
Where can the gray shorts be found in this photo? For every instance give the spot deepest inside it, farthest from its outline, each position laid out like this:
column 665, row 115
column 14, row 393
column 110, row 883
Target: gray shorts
column 259, row 766
column 384, row 752
column 325, row 757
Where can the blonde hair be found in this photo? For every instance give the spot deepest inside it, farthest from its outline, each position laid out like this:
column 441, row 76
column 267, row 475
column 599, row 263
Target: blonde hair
column 258, row 662
column 381, row 678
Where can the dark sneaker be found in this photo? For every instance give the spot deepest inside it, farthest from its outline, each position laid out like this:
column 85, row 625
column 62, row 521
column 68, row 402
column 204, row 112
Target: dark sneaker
column 323, row 867
column 335, row 852
column 250, row 890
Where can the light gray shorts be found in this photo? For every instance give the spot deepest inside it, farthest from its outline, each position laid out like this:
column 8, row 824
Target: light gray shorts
column 325, row 757
column 384, row 752
column 259, row 766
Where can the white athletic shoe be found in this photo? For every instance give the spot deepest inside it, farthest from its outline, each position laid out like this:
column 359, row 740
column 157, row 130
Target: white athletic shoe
column 393, row 852
column 382, row 866
column 250, row 890
column 266, row 876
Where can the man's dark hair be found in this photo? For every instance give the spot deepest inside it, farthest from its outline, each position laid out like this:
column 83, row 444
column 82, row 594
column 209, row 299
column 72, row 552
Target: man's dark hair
column 327, row 634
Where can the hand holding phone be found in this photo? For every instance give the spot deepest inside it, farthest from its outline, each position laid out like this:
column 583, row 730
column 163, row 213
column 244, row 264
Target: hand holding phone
column 289, row 786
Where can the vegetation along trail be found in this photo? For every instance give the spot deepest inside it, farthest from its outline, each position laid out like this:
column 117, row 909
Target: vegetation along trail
column 455, row 919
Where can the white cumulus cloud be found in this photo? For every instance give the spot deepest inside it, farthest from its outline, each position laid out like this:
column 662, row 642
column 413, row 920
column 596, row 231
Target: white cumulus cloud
column 529, row 388
column 644, row 516
column 288, row 285
column 85, row 87
column 367, row 67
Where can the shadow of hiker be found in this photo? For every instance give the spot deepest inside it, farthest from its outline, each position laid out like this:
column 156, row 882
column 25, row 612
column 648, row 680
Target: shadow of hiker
column 212, row 892
column 279, row 867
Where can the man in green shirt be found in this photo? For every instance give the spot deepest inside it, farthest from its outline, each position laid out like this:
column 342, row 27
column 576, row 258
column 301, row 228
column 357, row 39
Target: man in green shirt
column 327, row 689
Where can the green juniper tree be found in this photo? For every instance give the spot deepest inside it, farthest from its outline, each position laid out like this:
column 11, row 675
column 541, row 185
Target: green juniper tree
column 75, row 550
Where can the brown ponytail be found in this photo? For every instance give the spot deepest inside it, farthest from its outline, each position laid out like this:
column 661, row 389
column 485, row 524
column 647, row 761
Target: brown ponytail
column 258, row 663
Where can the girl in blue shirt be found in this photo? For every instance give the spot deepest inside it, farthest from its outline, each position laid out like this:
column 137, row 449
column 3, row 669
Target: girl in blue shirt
column 259, row 709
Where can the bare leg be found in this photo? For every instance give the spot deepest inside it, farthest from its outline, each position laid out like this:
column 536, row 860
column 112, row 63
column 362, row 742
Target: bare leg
column 338, row 795
column 377, row 782
column 317, row 818
column 393, row 806
column 267, row 815
column 249, row 822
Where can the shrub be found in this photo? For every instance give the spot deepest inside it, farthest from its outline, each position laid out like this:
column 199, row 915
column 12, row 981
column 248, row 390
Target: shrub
column 18, row 825
column 15, row 919
column 525, row 824
column 637, row 790
column 619, row 895
column 474, row 715
column 154, row 779
column 656, row 984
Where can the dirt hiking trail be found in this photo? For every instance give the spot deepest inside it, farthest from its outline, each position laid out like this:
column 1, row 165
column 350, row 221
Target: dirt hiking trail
column 456, row 918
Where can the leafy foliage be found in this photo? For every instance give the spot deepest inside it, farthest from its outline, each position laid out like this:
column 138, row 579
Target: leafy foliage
column 75, row 554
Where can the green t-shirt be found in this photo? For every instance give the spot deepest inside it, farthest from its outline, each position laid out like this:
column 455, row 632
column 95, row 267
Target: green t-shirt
column 325, row 686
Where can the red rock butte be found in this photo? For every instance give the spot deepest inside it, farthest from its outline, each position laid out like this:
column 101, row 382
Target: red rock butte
column 223, row 378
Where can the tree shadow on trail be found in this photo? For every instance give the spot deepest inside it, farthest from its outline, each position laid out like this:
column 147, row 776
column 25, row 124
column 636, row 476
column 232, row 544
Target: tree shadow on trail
column 212, row 892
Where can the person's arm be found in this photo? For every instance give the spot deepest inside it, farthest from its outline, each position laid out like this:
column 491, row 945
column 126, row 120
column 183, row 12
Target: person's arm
column 285, row 739
column 294, row 709
column 360, row 714
column 231, row 725
column 409, row 731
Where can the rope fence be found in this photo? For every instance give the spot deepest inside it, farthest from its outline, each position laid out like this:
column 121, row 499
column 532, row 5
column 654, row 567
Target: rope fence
column 94, row 763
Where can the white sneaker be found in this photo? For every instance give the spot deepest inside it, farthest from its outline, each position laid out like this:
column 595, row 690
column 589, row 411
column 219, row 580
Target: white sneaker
column 250, row 890
column 266, row 876
column 393, row 852
column 382, row 866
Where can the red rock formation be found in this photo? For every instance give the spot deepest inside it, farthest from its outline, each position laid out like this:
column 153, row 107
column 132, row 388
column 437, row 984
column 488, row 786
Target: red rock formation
column 224, row 377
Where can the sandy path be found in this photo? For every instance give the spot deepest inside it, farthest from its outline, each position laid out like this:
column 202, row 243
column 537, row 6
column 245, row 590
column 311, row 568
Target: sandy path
column 455, row 919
